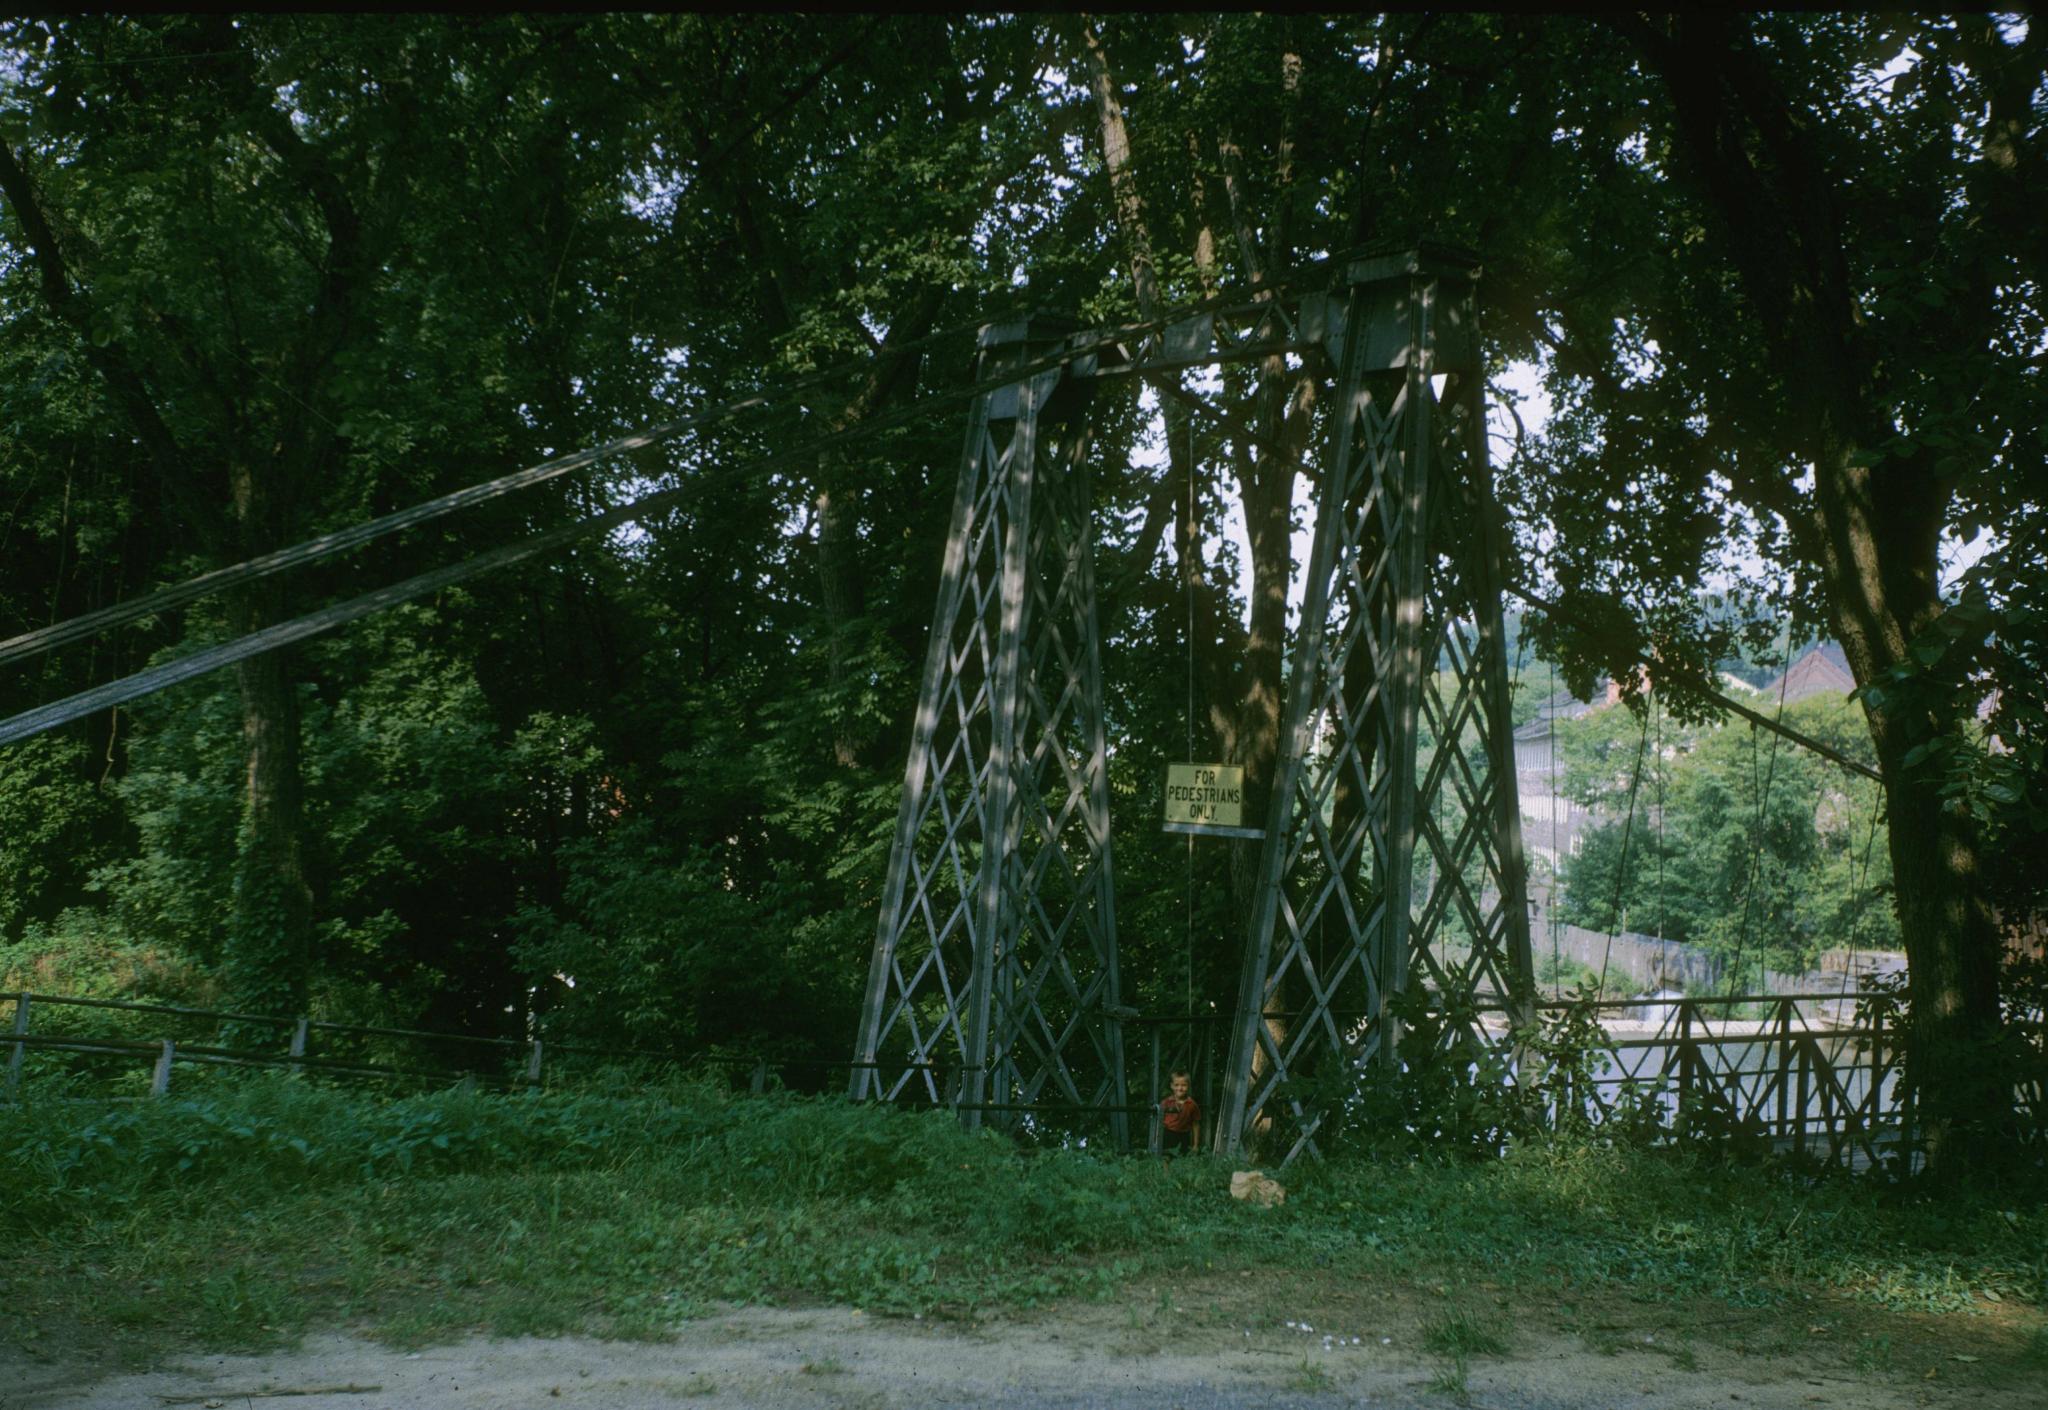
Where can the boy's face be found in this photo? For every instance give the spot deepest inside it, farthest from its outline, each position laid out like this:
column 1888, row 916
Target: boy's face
column 1180, row 1088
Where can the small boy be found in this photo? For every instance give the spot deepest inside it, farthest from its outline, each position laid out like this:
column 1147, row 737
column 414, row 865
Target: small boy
column 1180, row 1120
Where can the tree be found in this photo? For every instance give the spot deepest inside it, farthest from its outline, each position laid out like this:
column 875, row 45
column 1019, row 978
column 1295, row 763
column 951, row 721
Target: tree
column 1864, row 239
column 263, row 277
column 265, row 317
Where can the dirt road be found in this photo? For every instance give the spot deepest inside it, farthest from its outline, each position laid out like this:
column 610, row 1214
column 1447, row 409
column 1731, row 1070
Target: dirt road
column 1146, row 1354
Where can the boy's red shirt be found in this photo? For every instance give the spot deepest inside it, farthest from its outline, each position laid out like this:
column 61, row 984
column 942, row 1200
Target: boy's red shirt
column 1180, row 1113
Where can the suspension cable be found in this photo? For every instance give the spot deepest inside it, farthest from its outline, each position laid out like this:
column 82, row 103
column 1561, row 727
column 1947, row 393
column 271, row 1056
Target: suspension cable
column 1557, row 847
column 1762, row 804
column 35, row 721
column 1862, row 881
column 1733, row 706
column 1657, row 764
column 31, row 722
column 1187, row 574
column 1621, row 868
column 355, row 536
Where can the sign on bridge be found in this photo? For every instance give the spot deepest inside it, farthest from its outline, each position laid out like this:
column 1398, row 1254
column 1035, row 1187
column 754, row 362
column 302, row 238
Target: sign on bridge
column 1206, row 800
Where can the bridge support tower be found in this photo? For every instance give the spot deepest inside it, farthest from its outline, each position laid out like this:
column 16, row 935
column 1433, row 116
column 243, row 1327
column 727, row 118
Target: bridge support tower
column 1392, row 861
column 993, row 985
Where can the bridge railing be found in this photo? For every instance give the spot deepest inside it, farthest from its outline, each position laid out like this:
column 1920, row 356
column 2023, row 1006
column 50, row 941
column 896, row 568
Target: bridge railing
column 1781, row 1070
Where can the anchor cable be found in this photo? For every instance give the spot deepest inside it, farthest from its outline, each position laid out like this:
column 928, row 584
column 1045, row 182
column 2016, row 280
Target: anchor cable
column 1762, row 804
column 356, row 535
column 146, row 682
column 1621, row 867
column 343, row 540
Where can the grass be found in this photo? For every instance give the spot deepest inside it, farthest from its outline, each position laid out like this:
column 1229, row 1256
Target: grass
column 240, row 1215
column 1309, row 1378
column 1457, row 1334
column 1449, row 1378
column 1454, row 1338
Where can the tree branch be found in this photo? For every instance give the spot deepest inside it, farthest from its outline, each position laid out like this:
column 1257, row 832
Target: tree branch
column 342, row 264
column 107, row 357
column 1726, row 702
column 1774, row 493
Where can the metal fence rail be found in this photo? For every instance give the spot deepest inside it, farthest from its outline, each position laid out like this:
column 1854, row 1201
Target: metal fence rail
column 1788, row 1075
column 1767, row 1069
column 508, row 1063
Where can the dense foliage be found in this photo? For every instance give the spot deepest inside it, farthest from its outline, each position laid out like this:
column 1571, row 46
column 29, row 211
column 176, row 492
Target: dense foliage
column 263, row 277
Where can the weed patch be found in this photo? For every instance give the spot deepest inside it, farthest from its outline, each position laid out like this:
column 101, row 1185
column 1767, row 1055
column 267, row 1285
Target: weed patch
column 1457, row 1334
column 1310, row 1378
column 1450, row 1378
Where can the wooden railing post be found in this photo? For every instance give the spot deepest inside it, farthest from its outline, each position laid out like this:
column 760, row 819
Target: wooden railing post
column 160, row 1083
column 298, row 1048
column 533, row 1066
column 20, row 1032
column 759, row 1085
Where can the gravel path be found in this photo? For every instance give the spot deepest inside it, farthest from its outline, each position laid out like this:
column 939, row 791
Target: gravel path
column 1075, row 1357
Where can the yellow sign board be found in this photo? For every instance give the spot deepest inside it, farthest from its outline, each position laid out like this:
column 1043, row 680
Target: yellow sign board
column 1204, row 795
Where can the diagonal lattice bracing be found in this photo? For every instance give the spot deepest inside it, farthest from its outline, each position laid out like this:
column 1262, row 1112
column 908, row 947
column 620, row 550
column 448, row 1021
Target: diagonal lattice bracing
column 993, row 984
column 1392, row 858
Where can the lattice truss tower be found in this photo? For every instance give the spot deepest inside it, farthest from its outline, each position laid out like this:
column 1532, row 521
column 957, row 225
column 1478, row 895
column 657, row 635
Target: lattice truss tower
column 994, row 979
column 1392, row 854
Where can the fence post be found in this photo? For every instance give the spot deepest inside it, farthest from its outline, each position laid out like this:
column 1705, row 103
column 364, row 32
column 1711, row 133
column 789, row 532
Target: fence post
column 1784, row 1067
column 1685, row 1063
column 298, row 1048
column 20, row 1032
column 1811, row 1088
column 160, row 1083
column 1152, row 1136
column 533, row 1066
column 759, row 1085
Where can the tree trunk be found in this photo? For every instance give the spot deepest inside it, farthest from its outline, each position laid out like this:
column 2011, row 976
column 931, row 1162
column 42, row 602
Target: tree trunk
column 1879, row 561
column 1282, row 415
column 268, row 952
column 1183, row 463
column 269, row 940
column 1874, row 531
column 842, row 592
column 842, row 578
column 1248, row 735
